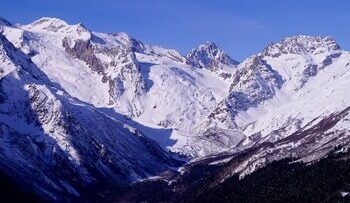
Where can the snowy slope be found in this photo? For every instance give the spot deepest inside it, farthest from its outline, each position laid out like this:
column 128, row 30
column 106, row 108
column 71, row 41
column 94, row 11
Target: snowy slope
column 59, row 146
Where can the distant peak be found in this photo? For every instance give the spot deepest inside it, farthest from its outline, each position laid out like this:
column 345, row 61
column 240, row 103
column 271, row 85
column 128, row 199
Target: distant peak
column 47, row 21
column 301, row 44
column 54, row 25
column 209, row 44
column 208, row 55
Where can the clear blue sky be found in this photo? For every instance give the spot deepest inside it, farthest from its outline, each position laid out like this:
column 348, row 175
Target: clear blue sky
column 240, row 27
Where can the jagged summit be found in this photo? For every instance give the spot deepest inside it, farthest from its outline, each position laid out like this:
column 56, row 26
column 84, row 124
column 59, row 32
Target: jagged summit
column 210, row 56
column 209, row 44
column 301, row 44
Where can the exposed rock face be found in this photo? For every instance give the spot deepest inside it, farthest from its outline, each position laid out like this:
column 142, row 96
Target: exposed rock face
column 84, row 51
column 122, row 73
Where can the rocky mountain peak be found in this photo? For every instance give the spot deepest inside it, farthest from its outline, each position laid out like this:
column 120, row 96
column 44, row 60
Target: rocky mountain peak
column 210, row 56
column 209, row 45
column 301, row 44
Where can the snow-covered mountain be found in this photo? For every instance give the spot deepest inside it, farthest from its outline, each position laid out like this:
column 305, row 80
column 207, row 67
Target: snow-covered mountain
column 60, row 146
column 106, row 107
column 289, row 100
column 154, row 86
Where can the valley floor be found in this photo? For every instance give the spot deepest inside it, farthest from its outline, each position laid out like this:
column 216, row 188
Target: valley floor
column 282, row 181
